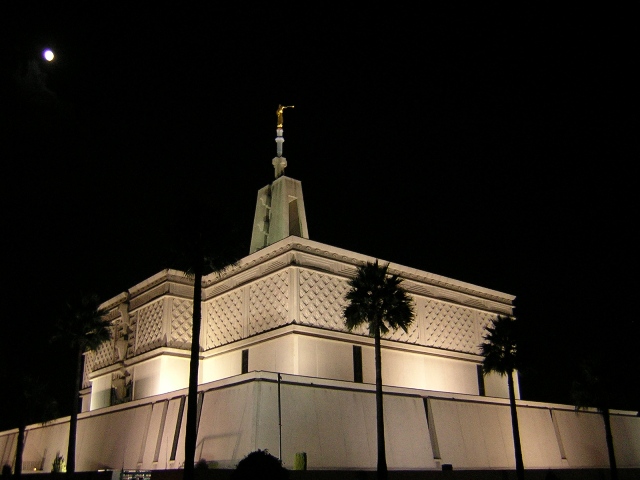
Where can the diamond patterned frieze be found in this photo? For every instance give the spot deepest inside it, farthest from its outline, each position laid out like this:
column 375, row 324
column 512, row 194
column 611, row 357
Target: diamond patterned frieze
column 484, row 319
column 88, row 368
column 269, row 302
column 224, row 319
column 411, row 336
column 322, row 300
column 450, row 327
column 181, row 323
column 104, row 355
column 149, row 330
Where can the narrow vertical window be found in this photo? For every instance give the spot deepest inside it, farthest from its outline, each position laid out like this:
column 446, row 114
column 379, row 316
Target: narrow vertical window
column 245, row 361
column 480, row 381
column 357, row 364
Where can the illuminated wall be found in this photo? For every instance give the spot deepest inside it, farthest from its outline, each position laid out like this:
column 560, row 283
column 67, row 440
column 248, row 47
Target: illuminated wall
column 334, row 423
column 293, row 283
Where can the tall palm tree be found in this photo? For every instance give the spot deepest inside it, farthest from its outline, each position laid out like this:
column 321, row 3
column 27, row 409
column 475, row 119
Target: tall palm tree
column 375, row 298
column 592, row 389
column 193, row 253
column 84, row 328
column 500, row 352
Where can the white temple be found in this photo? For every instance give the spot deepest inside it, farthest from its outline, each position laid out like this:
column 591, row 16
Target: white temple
column 279, row 371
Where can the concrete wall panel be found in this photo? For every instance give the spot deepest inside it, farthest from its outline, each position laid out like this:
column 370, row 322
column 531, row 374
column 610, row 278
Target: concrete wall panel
column 325, row 358
column 154, row 433
column 230, row 420
column 274, row 356
column 479, row 435
column 540, row 448
column 221, row 366
column 8, row 448
column 583, row 437
column 101, row 392
column 118, row 443
column 337, row 429
column 43, row 443
column 626, row 440
column 334, row 423
column 408, row 446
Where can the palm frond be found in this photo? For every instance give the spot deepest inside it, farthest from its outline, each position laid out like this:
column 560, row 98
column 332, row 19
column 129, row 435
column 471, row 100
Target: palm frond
column 500, row 347
column 377, row 299
column 591, row 388
column 83, row 324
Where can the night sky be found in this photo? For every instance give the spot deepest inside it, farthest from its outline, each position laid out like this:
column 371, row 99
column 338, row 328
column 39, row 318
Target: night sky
column 482, row 144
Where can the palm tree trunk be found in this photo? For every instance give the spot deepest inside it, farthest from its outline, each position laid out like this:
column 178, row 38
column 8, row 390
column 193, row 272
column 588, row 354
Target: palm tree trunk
column 17, row 468
column 382, row 456
column 516, row 430
column 609, row 435
column 73, row 421
column 192, row 399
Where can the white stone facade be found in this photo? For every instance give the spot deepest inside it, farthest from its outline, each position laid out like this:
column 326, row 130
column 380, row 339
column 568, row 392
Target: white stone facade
column 334, row 423
column 279, row 371
column 283, row 305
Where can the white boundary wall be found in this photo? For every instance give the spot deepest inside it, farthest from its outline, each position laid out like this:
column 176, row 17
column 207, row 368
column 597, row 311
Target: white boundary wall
column 334, row 423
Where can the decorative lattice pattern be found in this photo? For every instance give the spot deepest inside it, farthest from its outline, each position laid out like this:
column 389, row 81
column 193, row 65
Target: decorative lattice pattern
column 484, row 320
column 88, row 368
column 224, row 319
column 104, row 354
column 181, row 323
column 322, row 300
column 149, row 327
column 412, row 335
column 450, row 327
column 269, row 302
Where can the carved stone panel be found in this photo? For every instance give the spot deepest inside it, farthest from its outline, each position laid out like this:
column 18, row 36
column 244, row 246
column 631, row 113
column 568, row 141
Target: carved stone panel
column 269, row 302
column 224, row 319
column 149, row 327
column 88, row 368
column 322, row 300
column 181, row 323
column 104, row 355
column 450, row 326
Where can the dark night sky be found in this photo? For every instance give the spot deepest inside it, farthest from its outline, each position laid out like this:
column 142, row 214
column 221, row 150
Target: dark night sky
column 486, row 145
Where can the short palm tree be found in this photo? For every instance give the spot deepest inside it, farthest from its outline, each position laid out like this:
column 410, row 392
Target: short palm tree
column 500, row 352
column 591, row 389
column 376, row 299
column 84, row 328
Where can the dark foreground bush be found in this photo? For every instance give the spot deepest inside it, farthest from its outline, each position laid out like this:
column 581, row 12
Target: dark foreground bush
column 260, row 465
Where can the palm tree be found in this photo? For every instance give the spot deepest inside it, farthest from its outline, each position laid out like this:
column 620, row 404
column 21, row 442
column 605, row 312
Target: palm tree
column 193, row 253
column 500, row 352
column 592, row 389
column 84, row 329
column 375, row 298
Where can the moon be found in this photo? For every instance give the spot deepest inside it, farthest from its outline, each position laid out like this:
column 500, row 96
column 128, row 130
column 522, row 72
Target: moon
column 48, row 55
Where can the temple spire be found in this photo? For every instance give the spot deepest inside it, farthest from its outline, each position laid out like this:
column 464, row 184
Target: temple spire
column 279, row 162
column 280, row 206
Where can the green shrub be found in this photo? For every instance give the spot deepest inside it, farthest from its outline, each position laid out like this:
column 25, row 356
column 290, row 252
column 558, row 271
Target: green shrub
column 260, row 464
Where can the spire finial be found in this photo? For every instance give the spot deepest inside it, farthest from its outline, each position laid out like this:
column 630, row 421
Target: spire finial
column 279, row 112
column 279, row 163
